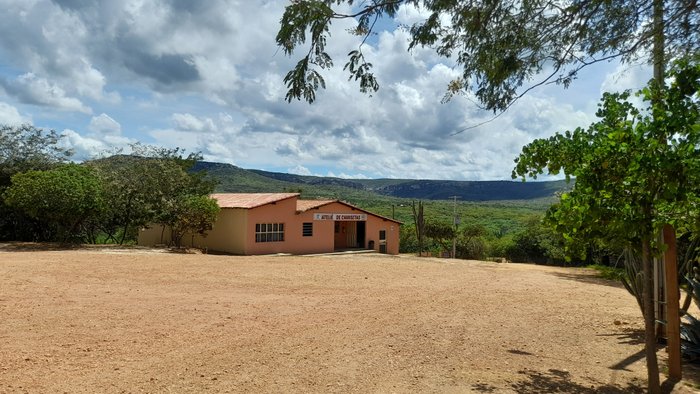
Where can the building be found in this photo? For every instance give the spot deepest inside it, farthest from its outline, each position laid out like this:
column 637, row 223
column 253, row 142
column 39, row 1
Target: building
column 266, row 223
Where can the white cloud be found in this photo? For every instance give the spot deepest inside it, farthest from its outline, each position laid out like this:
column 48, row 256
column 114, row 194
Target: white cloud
column 189, row 122
column 409, row 14
column 84, row 147
column 103, row 124
column 626, row 77
column 299, row 170
column 31, row 89
column 163, row 68
column 9, row 115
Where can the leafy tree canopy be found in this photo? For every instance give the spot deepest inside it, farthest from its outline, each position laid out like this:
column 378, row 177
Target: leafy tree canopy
column 500, row 46
column 194, row 215
column 65, row 197
column 25, row 147
column 635, row 169
column 440, row 232
column 143, row 187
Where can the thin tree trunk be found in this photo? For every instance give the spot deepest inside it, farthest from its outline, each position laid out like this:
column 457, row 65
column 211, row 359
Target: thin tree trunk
column 649, row 318
column 647, row 263
column 127, row 221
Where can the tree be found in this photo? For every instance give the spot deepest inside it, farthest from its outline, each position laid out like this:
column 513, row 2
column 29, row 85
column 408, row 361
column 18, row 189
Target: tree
column 441, row 233
column 471, row 244
column 536, row 243
column 141, row 188
column 500, row 46
column 24, row 148
column 635, row 169
column 419, row 222
column 63, row 198
column 192, row 214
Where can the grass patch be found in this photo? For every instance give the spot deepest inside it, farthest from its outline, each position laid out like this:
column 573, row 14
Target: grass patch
column 611, row 273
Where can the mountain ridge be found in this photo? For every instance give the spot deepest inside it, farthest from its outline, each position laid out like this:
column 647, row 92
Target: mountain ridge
column 235, row 179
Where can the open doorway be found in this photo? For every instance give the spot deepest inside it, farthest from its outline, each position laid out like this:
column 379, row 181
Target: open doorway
column 350, row 234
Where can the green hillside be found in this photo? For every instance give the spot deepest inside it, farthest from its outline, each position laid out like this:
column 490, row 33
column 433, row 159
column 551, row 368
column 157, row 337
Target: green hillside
column 235, row 179
column 501, row 206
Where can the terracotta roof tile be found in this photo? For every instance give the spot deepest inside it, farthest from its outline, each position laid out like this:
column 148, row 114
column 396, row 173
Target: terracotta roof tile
column 249, row 200
column 305, row 205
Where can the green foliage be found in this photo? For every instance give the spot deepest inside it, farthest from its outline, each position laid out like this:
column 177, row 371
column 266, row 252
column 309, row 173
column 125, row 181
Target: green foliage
column 64, row 198
column 634, row 170
column 536, row 243
column 499, row 45
column 24, row 148
column 472, row 243
column 611, row 273
column 145, row 187
column 192, row 214
column 441, row 233
column 408, row 243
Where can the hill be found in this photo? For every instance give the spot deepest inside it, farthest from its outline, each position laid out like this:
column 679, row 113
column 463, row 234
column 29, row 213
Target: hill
column 235, row 179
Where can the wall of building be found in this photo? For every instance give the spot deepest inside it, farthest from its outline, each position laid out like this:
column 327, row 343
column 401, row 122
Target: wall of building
column 235, row 231
column 227, row 234
column 285, row 212
column 372, row 227
column 152, row 236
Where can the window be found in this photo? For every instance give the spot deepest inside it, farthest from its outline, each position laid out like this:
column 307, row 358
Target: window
column 269, row 232
column 382, row 235
column 307, row 229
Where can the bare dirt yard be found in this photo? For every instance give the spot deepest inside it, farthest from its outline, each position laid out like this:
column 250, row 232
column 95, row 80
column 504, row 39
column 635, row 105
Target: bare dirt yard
column 139, row 320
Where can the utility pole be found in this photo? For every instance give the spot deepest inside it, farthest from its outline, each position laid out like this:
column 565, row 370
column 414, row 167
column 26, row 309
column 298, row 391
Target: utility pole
column 454, row 224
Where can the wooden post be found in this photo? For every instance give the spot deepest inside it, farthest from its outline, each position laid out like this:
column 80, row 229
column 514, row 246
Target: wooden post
column 673, row 320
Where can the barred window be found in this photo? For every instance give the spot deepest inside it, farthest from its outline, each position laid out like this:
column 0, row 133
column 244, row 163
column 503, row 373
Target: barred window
column 269, row 232
column 307, row 229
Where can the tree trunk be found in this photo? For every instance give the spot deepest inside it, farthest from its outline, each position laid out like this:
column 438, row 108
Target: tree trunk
column 649, row 318
column 650, row 339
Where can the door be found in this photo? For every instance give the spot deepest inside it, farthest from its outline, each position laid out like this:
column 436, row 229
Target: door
column 382, row 241
column 361, row 234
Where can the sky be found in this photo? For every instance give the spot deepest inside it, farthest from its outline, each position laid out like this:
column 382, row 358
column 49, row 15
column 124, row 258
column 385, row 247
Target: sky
column 208, row 77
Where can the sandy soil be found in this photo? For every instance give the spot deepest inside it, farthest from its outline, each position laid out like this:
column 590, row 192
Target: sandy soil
column 116, row 320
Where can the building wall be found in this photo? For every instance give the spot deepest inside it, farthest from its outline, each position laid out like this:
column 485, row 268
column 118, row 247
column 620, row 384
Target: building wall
column 372, row 227
column 226, row 235
column 152, row 236
column 234, row 231
column 285, row 212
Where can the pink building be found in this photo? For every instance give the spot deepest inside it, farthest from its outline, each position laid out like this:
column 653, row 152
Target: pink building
column 266, row 223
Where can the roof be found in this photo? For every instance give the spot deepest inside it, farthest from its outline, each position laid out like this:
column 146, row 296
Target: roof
column 249, row 200
column 305, row 205
column 254, row 200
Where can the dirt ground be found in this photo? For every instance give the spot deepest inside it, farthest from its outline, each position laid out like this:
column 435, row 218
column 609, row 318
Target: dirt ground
column 139, row 320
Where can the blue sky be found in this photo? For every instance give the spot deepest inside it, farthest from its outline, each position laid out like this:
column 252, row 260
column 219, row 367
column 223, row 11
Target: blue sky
column 207, row 76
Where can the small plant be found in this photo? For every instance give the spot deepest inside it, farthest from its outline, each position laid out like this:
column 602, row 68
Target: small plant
column 611, row 273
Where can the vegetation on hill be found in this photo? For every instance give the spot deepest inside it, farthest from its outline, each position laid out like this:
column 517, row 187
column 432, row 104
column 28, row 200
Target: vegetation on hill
column 43, row 198
column 156, row 185
column 496, row 219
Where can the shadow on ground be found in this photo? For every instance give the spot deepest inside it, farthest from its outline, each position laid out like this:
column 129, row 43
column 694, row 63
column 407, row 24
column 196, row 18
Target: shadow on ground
column 557, row 381
column 37, row 246
column 691, row 375
column 587, row 277
column 57, row 246
column 627, row 336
